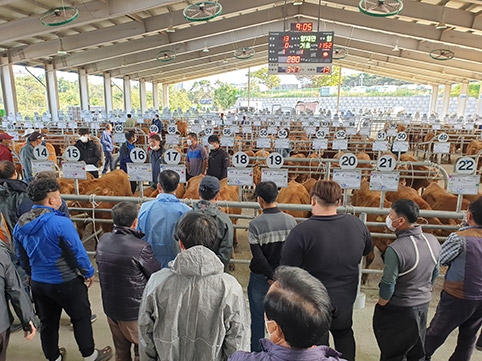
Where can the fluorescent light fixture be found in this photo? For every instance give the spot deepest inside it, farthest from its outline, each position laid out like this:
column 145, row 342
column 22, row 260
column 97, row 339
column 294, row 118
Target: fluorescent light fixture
column 298, row 2
column 170, row 29
column 206, row 49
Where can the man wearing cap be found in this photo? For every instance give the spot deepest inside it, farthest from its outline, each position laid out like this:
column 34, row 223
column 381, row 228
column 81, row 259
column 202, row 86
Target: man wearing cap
column 26, row 155
column 5, row 152
column 209, row 192
column 89, row 152
column 218, row 161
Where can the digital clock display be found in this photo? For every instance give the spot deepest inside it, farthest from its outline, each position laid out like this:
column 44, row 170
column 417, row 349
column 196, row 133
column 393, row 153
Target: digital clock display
column 301, row 27
column 313, row 49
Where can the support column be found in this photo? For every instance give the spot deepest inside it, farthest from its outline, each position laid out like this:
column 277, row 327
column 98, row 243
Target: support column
column 446, row 100
column 52, row 92
column 127, row 94
column 155, row 95
column 478, row 108
column 8, row 87
column 108, row 92
column 165, row 95
column 142, row 95
column 462, row 103
column 433, row 99
column 84, row 89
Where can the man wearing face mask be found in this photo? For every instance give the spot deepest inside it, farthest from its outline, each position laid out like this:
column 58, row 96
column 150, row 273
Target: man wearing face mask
column 218, row 161
column 27, row 156
column 297, row 316
column 330, row 246
column 196, row 157
column 52, row 254
column 410, row 268
column 156, row 152
column 89, row 152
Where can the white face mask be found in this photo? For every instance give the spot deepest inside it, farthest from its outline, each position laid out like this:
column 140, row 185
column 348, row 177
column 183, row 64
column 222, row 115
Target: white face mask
column 84, row 139
column 211, row 147
column 266, row 322
column 189, row 142
column 156, row 147
column 389, row 224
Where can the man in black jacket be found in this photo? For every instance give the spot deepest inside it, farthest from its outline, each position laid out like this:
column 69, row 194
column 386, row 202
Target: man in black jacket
column 218, row 161
column 125, row 264
column 89, row 152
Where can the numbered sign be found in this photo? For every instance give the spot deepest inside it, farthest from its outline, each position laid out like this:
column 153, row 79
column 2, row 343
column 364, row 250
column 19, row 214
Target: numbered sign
column 208, row 131
column 227, row 132
column 465, row 165
column 443, row 137
column 72, row 154
column 10, row 127
column 340, row 134
column 138, row 155
column 40, row 152
column 172, row 121
column 282, row 133
column 275, row 160
column 348, row 161
column 153, row 128
column 172, row 129
column 401, row 137
column 386, row 163
column 240, row 160
column 320, row 134
column 172, row 156
column 119, row 128
column 263, row 133
column 381, row 135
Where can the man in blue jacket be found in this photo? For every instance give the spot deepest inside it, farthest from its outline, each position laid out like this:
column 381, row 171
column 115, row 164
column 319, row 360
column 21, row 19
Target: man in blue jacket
column 107, row 148
column 52, row 254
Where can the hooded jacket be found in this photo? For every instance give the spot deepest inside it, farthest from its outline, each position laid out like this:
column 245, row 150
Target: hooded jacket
column 225, row 235
column 273, row 352
column 125, row 263
column 12, row 194
column 49, row 247
column 193, row 311
column 26, row 157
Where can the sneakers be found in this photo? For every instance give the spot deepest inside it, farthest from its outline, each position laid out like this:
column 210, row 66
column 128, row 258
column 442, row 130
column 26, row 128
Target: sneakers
column 104, row 354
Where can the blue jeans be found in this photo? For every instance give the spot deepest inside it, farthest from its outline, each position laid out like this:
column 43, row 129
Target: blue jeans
column 109, row 162
column 257, row 289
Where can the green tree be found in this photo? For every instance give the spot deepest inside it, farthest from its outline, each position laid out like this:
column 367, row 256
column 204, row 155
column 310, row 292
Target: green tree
column 261, row 76
column 178, row 98
column 31, row 95
column 202, row 89
column 225, row 95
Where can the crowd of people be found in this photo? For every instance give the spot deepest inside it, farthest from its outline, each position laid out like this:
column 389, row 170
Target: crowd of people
column 167, row 292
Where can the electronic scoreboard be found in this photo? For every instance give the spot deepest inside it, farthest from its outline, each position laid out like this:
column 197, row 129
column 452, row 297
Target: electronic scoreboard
column 301, row 52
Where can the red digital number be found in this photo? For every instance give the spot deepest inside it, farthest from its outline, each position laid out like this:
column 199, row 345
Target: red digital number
column 293, row 59
column 287, row 45
column 325, row 46
column 307, row 26
column 293, row 69
column 286, row 38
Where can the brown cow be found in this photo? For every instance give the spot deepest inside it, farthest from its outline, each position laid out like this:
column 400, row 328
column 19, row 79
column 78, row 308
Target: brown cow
column 440, row 200
column 295, row 193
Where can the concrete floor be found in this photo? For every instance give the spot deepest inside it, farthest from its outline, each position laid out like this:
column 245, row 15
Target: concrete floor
column 367, row 349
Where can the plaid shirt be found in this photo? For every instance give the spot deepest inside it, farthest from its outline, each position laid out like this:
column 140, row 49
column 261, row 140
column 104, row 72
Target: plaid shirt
column 452, row 247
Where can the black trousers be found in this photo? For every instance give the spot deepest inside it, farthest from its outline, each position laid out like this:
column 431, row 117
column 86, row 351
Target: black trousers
column 50, row 300
column 400, row 331
column 341, row 325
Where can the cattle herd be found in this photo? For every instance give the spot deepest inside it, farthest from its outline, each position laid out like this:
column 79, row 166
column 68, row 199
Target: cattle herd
column 422, row 176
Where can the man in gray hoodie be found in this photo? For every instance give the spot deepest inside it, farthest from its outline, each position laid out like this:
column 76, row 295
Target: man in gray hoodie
column 209, row 191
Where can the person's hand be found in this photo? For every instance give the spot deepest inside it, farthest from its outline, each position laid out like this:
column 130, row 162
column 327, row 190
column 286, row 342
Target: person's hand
column 30, row 334
column 89, row 281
